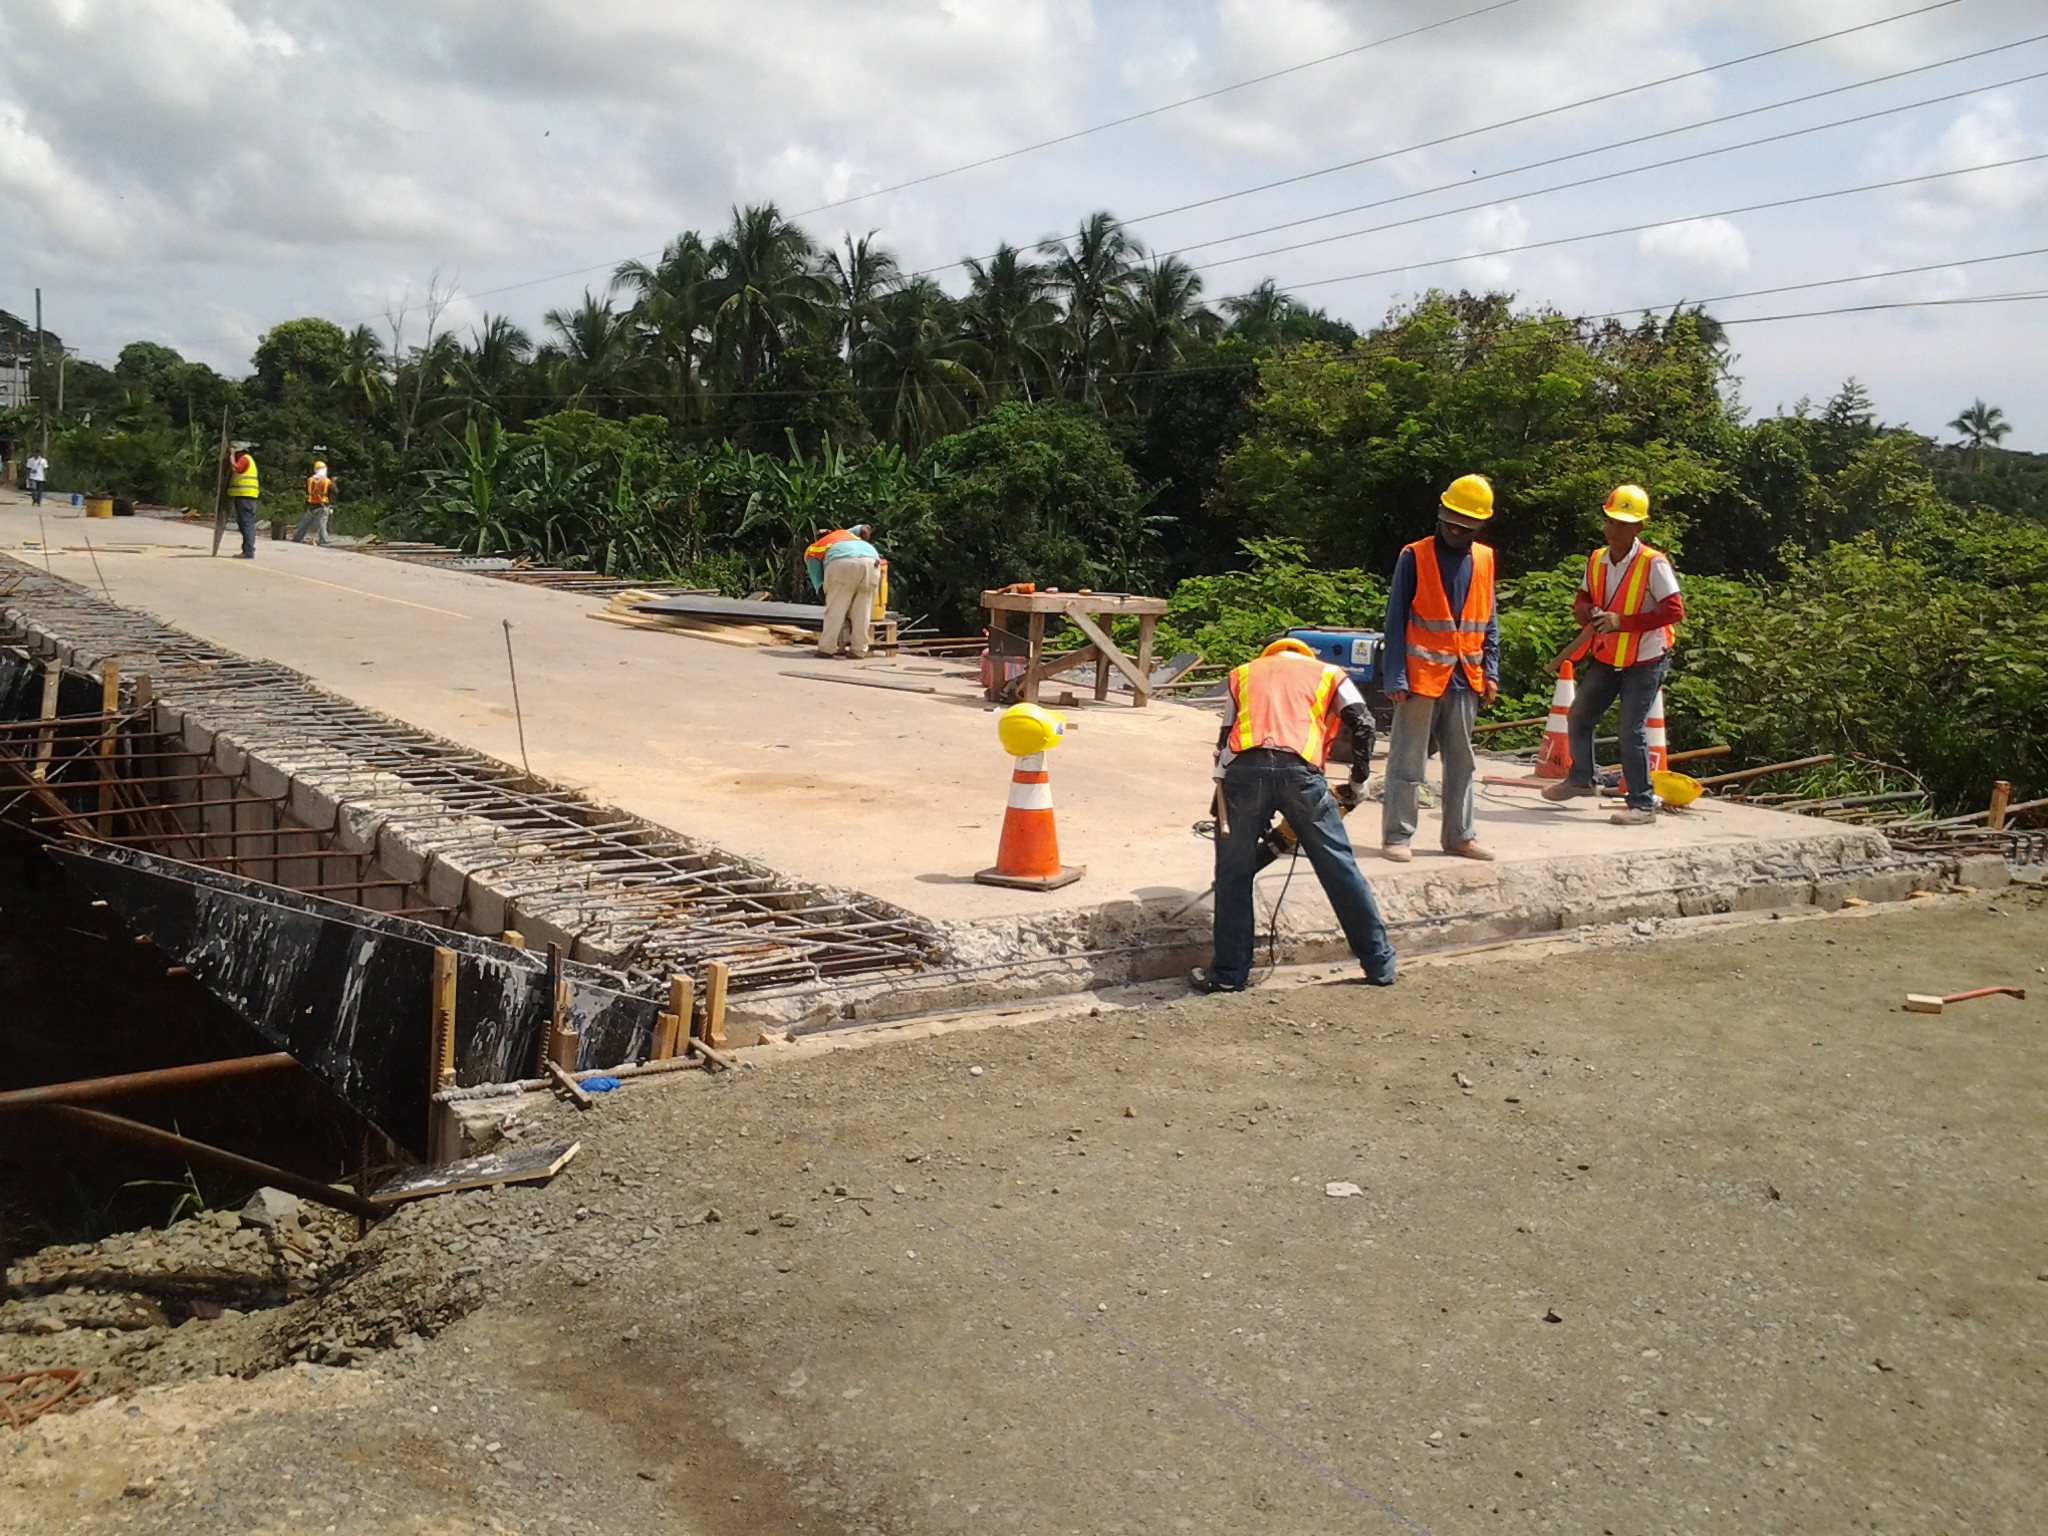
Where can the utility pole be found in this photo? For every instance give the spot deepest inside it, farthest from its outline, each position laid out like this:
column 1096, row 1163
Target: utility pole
column 42, row 409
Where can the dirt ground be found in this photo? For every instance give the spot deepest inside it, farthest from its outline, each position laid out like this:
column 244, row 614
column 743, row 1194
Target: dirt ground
column 1703, row 1234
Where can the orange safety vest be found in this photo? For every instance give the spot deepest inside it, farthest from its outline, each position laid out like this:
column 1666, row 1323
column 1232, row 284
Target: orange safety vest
column 1287, row 701
column 817, row 550
column 1437, row 641
column 317, row 488
column 1619, row 649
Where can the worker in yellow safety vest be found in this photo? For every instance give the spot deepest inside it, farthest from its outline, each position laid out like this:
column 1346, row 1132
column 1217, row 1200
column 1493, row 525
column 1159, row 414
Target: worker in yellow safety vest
column 1441, row 663
column 1629, row 608
column 243, row 489
column 319, row 501
column 1285, row 711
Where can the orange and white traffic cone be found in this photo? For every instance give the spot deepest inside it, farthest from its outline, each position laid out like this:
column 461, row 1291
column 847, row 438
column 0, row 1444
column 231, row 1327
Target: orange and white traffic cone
column 1554, row 759
column 1660, row 753
column 1029, row 855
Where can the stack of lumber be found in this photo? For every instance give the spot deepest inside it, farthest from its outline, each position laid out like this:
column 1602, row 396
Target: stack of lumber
column 620, row 611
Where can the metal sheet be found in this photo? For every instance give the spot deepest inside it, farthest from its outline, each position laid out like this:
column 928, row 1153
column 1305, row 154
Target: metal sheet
column 738, row 610
column 346, row 990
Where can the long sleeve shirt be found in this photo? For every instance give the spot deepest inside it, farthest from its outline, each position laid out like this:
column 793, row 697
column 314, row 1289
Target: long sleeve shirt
column 1667, row 606
column 1454, row 564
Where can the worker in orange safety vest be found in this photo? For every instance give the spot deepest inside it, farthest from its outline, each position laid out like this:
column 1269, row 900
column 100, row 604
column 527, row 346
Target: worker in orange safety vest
column 319, row 502
column 1629, row 608
column 1285, row 711
column 1441, row 663
column 846, row 570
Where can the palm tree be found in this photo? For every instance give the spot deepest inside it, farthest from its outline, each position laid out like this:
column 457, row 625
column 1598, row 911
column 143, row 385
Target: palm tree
column 1159, row 317
column 859, row 277
column 1979, row 424
column 767, row 291
column 914, row 367
column 364, row 380
column 1010, row 317
column 491, row 365
column 1260, row 316
column 1097, row 261
column 675, row 305
column 590, row 350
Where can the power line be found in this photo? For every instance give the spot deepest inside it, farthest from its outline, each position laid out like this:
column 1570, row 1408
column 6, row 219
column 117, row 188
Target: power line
column 1616, row 175
column 1631, row 229
column 1185, row 101
column 2031, row 296
column 1663, row 133
column 1512, row 122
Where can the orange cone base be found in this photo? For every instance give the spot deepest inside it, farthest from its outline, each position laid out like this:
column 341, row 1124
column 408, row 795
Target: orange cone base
column 1068, row 874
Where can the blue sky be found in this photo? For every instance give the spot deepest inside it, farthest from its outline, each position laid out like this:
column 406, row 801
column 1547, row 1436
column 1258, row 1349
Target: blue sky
column 192, row 171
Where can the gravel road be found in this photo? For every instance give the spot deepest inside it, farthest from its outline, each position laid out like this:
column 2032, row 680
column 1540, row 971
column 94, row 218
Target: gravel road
column 1703, row 1234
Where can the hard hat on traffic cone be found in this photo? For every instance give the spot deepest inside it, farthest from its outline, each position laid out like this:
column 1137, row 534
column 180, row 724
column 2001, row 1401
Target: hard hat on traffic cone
column 1554, row 759
column 1029, row 855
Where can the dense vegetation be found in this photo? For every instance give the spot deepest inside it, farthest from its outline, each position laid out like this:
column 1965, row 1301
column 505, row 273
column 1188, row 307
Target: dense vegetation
column 1079, row 416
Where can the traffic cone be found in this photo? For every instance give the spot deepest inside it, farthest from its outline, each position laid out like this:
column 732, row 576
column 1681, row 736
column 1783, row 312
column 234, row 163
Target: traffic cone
column 1554, row 759
column 1029, row 855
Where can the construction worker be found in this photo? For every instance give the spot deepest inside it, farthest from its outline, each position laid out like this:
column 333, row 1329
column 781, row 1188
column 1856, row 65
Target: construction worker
column 1442, row 661
column 1285, row 710
column 848, row 570
column 243, row 489
column 1628, row 608
column 319, row 502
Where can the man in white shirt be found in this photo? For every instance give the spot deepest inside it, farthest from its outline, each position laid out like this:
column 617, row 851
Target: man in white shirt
column 38, row 469
column 1629, row 608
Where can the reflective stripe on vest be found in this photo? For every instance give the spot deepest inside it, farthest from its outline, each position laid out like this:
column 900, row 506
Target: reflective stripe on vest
column 817, row 550
column 1286, row 701
column 242, row 482
column 1438, row 642
column 1620, row 648
column 316, row 490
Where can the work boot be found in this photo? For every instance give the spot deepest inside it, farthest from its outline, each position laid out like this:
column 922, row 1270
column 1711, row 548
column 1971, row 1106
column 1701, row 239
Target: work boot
column 1396, row 853
column 1565, row 789
column 1633, row 818
column 1200, row 979
column 1470, row 850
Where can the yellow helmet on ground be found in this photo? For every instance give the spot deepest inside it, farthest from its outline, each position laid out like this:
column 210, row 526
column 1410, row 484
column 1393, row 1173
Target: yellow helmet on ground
column 1470, row 496
column 1284, row 647
column 1026, row 728
column 1628, row 504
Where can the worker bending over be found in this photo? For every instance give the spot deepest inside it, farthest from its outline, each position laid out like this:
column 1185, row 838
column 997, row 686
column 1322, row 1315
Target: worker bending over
column 1286, row 709
column 848, row 570
column 1629, row 609
column 1442, row 662
column 319, row 502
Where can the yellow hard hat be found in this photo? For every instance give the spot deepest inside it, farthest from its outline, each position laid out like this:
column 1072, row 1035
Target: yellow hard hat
column 1676, row 788
column 1628, row 504
column 1287, row 647
column 1470, row 496
column 1025, row 729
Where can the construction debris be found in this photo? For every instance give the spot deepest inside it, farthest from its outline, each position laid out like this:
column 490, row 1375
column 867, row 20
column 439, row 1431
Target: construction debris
column 1922, row 1002
column 521, row 1165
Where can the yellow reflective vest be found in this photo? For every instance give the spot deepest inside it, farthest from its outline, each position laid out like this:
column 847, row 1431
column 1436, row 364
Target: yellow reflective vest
column 242, row 482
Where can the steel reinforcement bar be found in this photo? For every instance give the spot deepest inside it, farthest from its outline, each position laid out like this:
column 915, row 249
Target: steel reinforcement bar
column 632, row 895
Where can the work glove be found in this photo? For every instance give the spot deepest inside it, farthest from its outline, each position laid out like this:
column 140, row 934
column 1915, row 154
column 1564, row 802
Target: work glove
column 1348, row 794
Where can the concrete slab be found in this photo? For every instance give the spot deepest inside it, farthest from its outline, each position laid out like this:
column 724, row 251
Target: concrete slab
column 897, row 794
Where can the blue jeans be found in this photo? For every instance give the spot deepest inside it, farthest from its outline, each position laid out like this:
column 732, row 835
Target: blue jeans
column 1599, row 686
column 1255, row 785
column 245, row 519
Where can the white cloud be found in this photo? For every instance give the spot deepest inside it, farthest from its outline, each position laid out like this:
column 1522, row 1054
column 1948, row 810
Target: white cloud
column 1709, row 248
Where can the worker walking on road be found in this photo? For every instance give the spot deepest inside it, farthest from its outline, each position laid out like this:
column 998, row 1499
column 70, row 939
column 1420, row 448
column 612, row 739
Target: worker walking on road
column 243, row 489
column 1629, row 609
column 1442, row 655
column 319, row 501
column 38, row 469
column 848, row 570
column 1286, row 709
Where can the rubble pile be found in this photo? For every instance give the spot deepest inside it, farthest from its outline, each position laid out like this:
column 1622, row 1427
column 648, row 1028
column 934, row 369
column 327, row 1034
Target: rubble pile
column 210, row 1265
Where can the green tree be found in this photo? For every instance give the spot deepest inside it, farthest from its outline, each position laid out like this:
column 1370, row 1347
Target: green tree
column 1979, row 424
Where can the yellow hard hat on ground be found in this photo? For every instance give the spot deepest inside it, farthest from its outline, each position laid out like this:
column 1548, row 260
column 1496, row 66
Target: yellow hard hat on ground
column 1676, row 788
column 1026, row 728
column 1281, row 647
column 1470, row 496
column 1628, row 504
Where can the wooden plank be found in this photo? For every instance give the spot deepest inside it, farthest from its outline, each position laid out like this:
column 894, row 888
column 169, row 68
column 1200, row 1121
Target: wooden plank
column 1034, row 636
column 1140, row 681
column 2001, row 800
column 676, row 1022
column 1147, row 624
column 521, row 1165
column 444, row 1131
column 110, row 704
column 716, row 976
column 53, row 679
column 1068, row 602
column 569, row 1088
